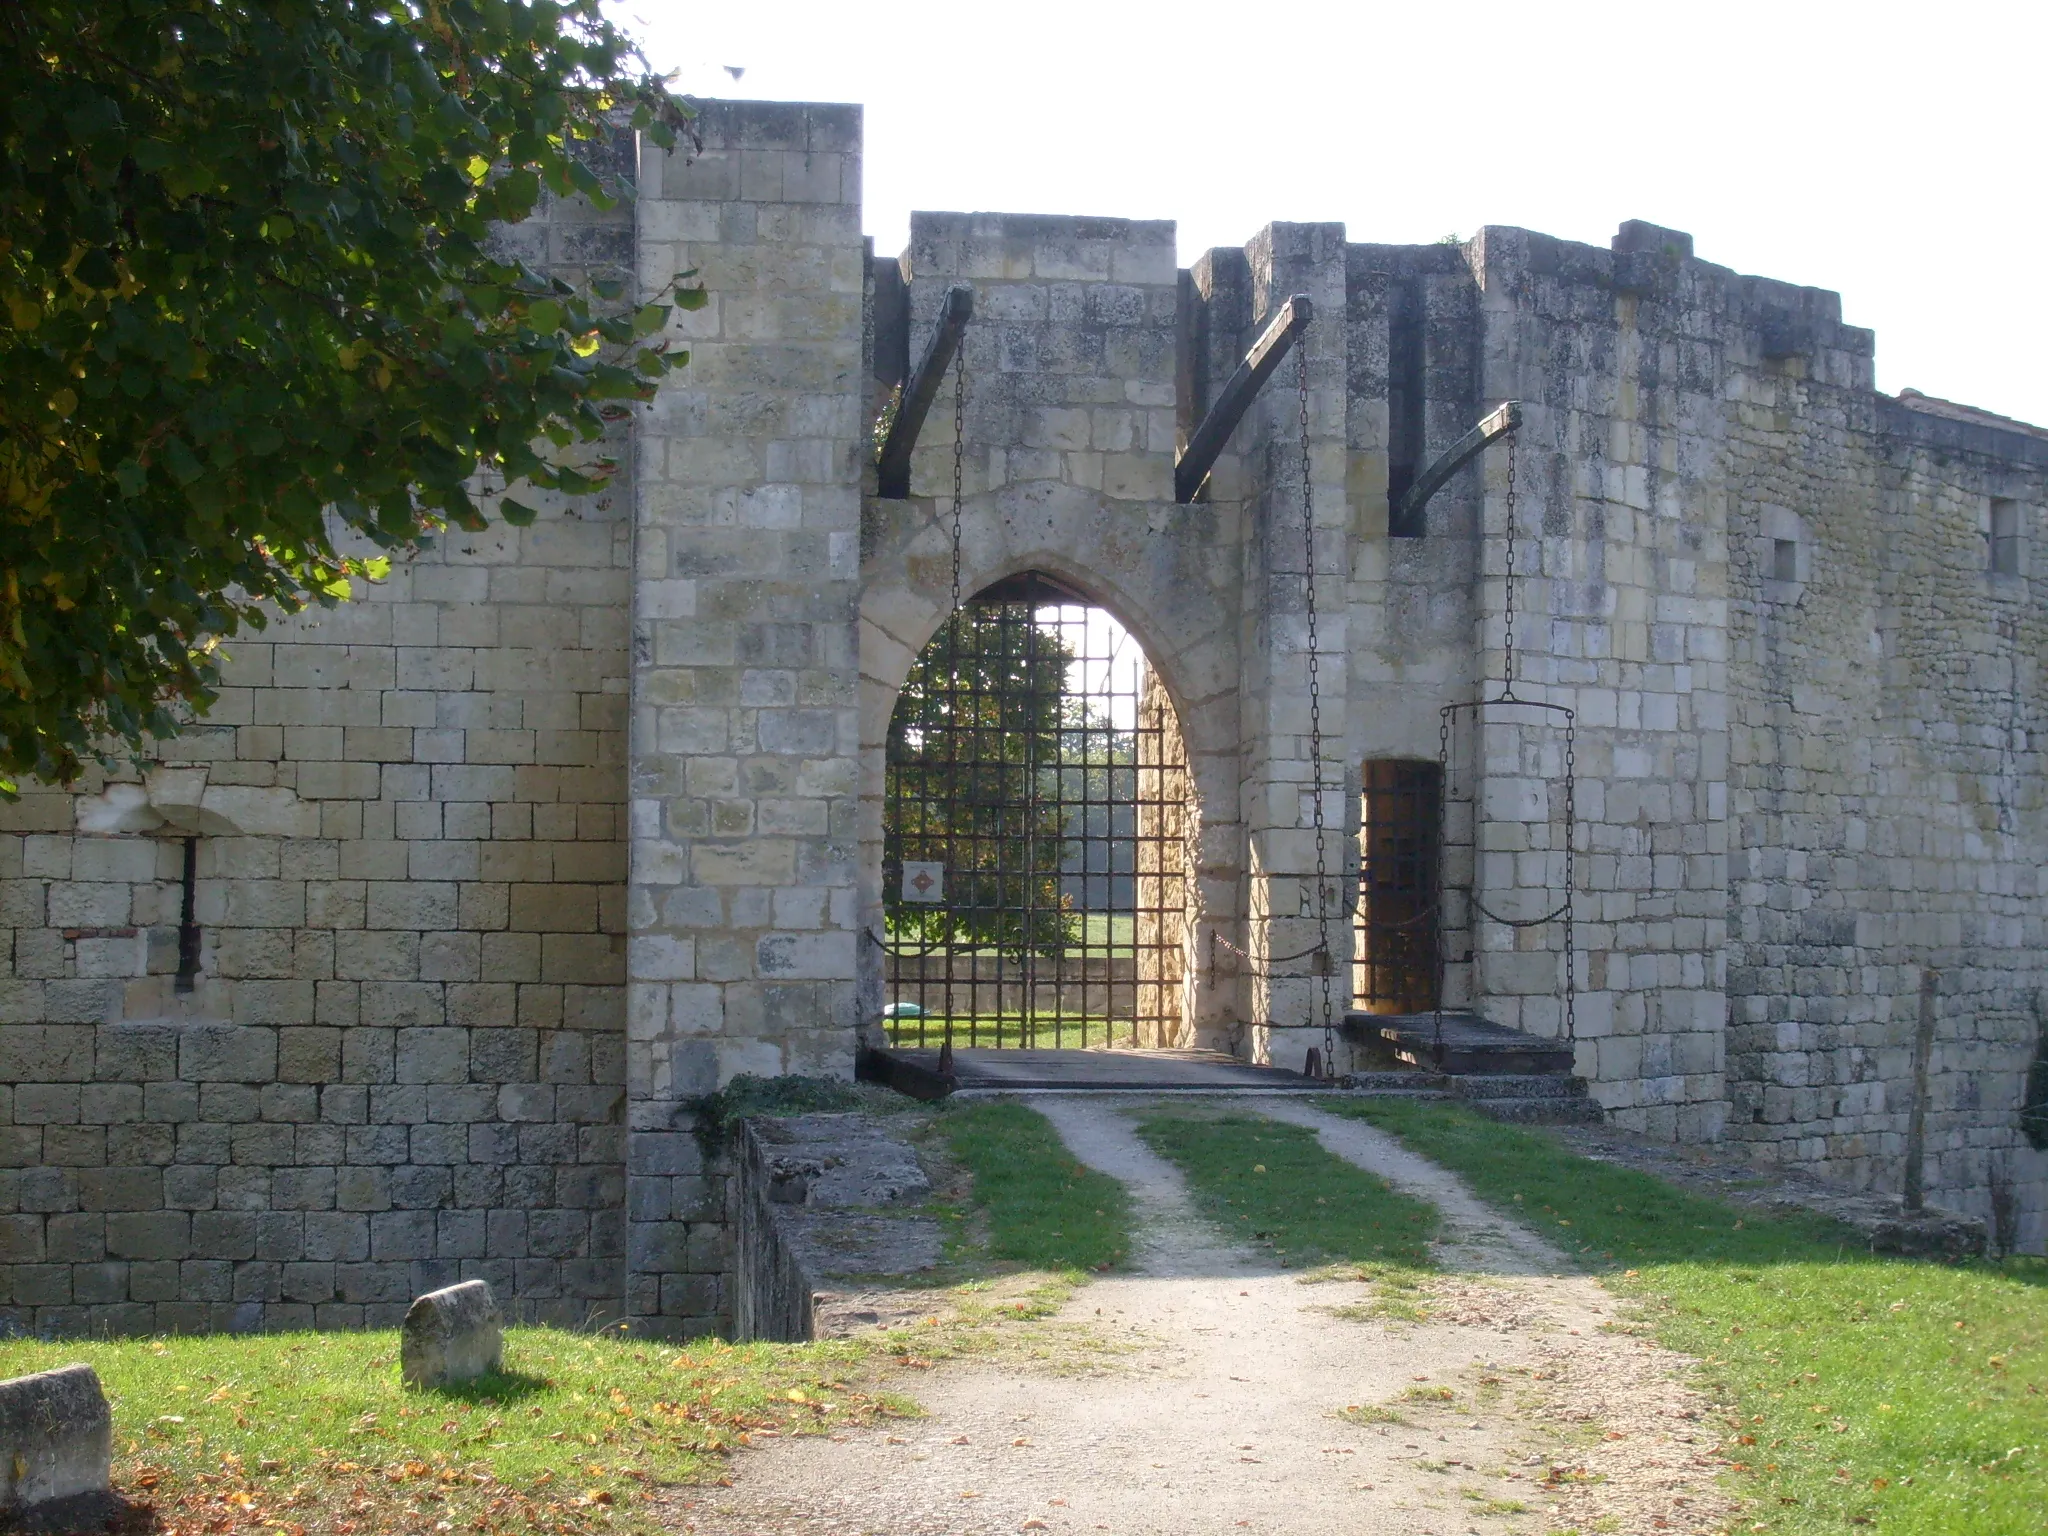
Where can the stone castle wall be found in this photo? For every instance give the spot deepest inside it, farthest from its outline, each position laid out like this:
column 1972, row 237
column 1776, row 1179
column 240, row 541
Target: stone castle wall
column 744, row 775
column 1886, row 784
column 499, row 870
column 402, row 1059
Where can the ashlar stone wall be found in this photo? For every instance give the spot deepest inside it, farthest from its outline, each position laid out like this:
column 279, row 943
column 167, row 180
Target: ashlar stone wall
column 1887, row 784
column 401, row 1060
column 744, row 768
column 500, row 870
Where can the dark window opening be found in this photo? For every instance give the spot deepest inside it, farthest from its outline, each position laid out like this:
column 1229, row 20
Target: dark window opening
column 1395, row 970
column 188, row 921
column 2005, row 537
column 1784, row 560
column 1404, row 404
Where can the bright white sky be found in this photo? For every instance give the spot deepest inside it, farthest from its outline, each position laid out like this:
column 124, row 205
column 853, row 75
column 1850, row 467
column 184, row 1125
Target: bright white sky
column 1891, row 152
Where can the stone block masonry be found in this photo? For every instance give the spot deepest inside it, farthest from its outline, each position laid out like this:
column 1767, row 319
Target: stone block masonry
column 498, row 870
column 742, row 909
column 400, row 1061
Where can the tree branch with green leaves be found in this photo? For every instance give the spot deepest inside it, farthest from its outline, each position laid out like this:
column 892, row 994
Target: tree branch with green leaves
column 253, row 320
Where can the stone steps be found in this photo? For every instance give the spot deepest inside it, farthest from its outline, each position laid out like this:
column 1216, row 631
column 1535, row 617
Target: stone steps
column 1503, row 1073
column 1563, row 1111
column 1458, row 1043
column 1552, row 1099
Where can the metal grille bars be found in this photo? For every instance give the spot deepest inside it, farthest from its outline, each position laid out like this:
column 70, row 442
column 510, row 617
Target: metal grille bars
column 1034, row 832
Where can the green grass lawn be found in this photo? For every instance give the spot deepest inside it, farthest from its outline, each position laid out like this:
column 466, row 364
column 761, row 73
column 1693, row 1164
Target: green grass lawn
column 1856, row 1391
column 1011, row 1031
column 312, row 1432
column 1270, row 1183
column 1114, row 932
column 1043, row 1208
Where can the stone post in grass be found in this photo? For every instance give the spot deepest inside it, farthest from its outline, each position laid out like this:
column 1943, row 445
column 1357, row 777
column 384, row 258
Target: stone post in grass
column 56, row 1441
column 451, row 1335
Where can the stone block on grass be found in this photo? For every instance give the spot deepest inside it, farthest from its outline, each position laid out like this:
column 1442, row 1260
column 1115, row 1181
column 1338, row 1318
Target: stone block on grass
column 451, row 1335
column 56, row 1441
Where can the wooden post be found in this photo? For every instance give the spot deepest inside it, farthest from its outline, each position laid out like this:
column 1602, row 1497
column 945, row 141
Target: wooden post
column 1454, row 458
column 892, row 468
column 1236, row 396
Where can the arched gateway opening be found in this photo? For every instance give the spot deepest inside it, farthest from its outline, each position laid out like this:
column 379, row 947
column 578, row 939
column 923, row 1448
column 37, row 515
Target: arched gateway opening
column 1036, row 820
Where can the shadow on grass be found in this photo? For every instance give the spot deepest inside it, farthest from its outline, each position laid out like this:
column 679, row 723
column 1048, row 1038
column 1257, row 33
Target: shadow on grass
column 80, row 1513
column 1044, row 1208
column 1604, row 1215
column 499, row 1387
column 1856, row 1388
column 1610, row 1216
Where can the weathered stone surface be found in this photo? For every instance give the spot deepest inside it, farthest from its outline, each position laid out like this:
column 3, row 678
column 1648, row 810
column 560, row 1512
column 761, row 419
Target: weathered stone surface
column 56, row 1439
column 502, row 866
column 450, row 1335
column 821, row 1206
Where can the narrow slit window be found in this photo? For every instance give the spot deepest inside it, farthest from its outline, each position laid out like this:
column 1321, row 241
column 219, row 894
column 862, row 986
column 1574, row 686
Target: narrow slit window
column 1395, row 967
column 189, row 937
column 1784, row 559
column 2005, row 536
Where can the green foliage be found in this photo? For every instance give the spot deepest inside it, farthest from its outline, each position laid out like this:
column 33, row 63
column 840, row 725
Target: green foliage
column 974, row 758
column 748, row 1094
column 1268, row 1182
column 1044, row 1208
column 878, row 434
column 1855, row 1389
column 253, row 326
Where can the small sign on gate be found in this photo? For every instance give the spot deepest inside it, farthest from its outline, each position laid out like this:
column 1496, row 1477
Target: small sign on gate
column 924, row 882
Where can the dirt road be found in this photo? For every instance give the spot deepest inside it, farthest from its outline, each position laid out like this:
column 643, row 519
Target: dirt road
column 1224, row 1412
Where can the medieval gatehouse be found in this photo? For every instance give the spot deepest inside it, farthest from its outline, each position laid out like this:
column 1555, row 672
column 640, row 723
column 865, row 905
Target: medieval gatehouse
column 1031, row 640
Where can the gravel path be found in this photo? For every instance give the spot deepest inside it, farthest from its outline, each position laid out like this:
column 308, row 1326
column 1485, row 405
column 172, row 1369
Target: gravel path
column 1225, row 1419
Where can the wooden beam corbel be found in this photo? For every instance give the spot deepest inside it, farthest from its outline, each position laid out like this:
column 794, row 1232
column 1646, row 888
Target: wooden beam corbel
column 1407, row 513
column 892, row 467
column 1236, row 396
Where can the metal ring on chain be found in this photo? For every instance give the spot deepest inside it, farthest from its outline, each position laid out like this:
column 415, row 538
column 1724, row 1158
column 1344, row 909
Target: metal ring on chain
column 1565, row 909
column 1315, row 706
column 1507, row 690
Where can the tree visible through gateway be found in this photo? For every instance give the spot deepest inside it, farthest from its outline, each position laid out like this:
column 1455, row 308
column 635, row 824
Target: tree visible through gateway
column 1035, row 832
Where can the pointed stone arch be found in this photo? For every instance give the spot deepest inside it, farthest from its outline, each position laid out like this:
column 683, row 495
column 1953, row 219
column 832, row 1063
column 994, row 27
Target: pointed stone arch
column 1155, row 584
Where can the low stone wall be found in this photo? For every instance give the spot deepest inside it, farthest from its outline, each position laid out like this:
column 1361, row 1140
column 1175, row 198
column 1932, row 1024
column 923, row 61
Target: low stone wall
column 1733, row 1173
column 822, row 1202
column 185, row 1176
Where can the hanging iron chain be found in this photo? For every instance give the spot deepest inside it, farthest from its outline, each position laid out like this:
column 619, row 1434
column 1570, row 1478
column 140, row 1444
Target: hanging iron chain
column 1571, row 884
column 953, row 620
column 1443, row 845
column 1508, row 667
column 1325, row 961
column 959, row 463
